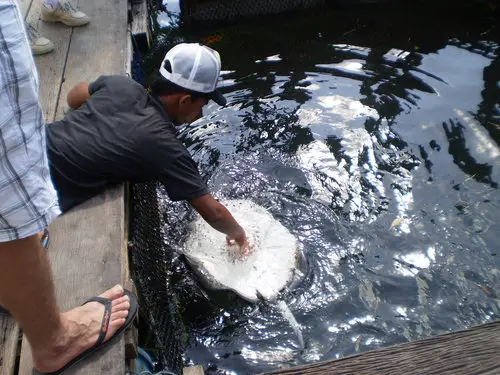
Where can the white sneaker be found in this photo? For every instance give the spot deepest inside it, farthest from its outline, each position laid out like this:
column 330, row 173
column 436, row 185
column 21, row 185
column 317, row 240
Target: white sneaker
column 39, row 44
column 64, row 12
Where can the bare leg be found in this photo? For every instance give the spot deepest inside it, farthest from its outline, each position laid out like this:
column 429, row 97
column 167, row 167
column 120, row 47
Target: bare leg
column 27, row 291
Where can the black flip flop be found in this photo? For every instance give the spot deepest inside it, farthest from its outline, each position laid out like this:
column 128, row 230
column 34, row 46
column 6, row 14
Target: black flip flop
column 132, row 314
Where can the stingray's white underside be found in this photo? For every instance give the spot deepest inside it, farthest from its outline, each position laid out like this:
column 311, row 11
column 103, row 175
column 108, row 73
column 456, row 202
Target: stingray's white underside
column 265, row 272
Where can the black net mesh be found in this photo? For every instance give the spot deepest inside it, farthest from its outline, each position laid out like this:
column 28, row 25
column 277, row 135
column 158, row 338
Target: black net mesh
column 209, row 11
column 151, row 264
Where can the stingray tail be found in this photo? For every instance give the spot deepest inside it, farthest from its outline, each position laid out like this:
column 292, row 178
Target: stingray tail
column 288, row 315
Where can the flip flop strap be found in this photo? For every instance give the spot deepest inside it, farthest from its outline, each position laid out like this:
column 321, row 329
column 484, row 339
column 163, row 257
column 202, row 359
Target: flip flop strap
column 106, row 318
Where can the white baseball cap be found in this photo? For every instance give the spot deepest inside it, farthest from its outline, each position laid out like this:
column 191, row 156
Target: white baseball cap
column 194, row 67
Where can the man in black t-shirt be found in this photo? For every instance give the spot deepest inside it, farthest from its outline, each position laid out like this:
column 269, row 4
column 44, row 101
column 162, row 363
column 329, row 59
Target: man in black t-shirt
column 118, row 131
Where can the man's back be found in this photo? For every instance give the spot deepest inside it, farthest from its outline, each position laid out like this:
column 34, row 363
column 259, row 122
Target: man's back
column 116, row 135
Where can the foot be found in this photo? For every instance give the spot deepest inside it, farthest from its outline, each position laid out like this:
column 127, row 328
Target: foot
column 39, row 44
column 80, row 330
column 64, row 12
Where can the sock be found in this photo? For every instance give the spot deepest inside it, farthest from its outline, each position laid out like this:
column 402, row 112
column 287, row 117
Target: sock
column 50, row 3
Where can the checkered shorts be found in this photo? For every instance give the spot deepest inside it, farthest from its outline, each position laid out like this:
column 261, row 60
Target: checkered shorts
column 28, row 201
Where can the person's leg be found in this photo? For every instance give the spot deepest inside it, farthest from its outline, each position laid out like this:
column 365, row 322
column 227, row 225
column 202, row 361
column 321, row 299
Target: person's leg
column 63, row 11
column 28, row 204
column 27, row 291
column 25, row 282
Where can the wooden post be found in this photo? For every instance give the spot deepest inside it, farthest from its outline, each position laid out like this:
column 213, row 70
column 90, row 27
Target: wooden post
column 193, row 370
column 9, row 338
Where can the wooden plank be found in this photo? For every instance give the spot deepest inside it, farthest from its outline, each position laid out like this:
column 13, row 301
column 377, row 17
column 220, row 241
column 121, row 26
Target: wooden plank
column 132, row 334
column 86, row 258
column 98, row 48
column 25, row 5
column 193, row 370
column 140, row 30
column 468, row 352
column 50, row 66
column 140, row 23
column 88, row 249
column 9, row 335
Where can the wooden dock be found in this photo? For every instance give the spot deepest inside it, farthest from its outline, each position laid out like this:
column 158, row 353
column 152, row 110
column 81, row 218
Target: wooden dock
column 88, row 245
column 472, row 351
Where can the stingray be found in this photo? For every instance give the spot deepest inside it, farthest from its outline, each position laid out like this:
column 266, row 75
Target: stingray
column 273, row 266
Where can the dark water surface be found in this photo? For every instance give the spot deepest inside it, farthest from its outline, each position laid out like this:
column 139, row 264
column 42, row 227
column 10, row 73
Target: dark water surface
column 371, row 133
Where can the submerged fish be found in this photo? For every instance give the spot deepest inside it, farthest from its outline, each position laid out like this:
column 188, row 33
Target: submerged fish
column 272, row 266
column 213, row 38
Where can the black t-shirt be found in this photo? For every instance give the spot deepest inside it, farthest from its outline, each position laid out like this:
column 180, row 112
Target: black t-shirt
column 121, row 133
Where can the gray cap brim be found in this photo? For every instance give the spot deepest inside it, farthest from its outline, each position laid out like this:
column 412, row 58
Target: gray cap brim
column 217, row 97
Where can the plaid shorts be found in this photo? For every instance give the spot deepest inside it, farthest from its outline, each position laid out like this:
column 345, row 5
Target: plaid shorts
column 28, row 201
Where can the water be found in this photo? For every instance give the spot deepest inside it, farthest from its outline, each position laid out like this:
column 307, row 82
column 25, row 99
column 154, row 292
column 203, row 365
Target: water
column 372, row 134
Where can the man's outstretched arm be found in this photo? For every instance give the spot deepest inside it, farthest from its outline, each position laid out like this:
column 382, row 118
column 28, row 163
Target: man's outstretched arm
column 218, row 216
column 78, row 95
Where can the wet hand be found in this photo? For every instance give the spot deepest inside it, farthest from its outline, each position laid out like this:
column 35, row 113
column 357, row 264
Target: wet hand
column 245, row 249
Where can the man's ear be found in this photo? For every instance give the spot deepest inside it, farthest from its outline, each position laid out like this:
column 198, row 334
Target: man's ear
column 184, row 99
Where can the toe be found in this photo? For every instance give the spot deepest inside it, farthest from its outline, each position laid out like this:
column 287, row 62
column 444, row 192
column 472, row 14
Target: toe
column 124, row 306
column 113, row 293
column 119, row 315
column 119, row 301
column 116, row 324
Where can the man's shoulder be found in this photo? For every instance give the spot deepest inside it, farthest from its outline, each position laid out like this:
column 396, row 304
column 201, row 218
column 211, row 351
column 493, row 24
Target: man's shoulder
column 122, row 79
column 159, row 132
column 116, row 83
column 159, row 138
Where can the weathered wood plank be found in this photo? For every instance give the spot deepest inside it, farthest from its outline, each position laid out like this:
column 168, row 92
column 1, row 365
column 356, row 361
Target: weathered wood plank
column 140, row 26
column 9, row 334
column 25, row 5
column 88, row 249
column 86, row 258
column 140, row 17
column 469, row 352
column 98, row 48
column 193, row 370
column 50, row 66
column 132, row 334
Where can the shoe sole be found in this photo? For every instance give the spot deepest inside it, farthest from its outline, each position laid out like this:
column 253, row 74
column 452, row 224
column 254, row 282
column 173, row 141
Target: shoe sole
column 72, row 23
column 37, row 51
column 41, row 52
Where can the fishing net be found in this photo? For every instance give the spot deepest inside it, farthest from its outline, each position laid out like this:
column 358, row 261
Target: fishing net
column 151, row 263
column 224, row 10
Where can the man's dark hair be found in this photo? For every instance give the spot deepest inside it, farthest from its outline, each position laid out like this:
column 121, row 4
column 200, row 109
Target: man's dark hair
column 162, row 86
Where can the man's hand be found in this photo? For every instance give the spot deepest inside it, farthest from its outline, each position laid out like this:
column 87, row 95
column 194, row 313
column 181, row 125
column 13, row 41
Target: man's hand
column 78, row 95
column 221, row 219
column 245, row 248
